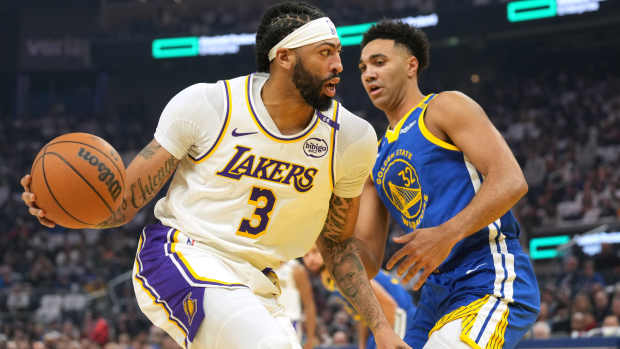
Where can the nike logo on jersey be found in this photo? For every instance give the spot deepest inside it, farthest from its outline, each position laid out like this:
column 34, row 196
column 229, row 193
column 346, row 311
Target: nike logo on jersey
column 474, row 269
column 239, row 134
column 242, row 164
column 406, row 129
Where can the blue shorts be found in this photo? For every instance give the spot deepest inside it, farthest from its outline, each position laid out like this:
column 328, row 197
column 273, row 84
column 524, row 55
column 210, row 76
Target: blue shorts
column 494, row 293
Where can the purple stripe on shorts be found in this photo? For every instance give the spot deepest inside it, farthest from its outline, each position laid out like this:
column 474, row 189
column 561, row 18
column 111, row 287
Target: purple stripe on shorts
column 166, row 284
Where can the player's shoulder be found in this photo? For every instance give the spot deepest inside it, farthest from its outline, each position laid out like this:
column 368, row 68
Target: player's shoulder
column 199, row 92
column 451, row 101
column 353, row 125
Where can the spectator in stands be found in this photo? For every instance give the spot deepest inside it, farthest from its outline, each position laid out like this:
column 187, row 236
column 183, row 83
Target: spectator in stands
column 601, row 305
column 578, row 325
column 569, row 277
column 581, row 303
column 543, row 314
column 608, row 261
column 615, row 304
column 590, row 278
column 541, row 330
column 611, row 326
column 340, row 338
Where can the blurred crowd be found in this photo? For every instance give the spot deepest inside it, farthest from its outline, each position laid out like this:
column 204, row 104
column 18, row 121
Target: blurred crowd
column 236, row 16
column 70, row 288
column 565, row 131
column 581, row 301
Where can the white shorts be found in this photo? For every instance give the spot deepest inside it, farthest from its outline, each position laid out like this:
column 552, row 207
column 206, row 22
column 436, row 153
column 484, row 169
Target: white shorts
column 198, row 309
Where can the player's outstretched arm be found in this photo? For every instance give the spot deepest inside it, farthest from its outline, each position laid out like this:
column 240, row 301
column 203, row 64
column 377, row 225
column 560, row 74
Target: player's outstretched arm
column 146, row 175
column 389, row 306
column 341, row 253
column 362, row 335
column 304, row 286
column 387, row 302
column 372, row 228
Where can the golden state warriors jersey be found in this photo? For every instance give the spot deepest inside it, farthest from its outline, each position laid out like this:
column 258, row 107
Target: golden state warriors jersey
column 424, row 181
column 487, row 281
column 246, row 190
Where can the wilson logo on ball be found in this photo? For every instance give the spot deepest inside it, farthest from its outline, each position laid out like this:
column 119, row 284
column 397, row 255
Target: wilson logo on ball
column 105, row 175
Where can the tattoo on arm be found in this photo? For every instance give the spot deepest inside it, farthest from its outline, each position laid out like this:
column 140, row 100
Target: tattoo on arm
column 149, row 150
column 143, row 189
column 147, row 185
column 117, row 218
column 342, row 260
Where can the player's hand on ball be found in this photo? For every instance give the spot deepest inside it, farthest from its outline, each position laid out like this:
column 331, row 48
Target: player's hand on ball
column 29, row 200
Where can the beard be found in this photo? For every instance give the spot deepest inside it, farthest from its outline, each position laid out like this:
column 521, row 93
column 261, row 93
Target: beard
column 310, row 87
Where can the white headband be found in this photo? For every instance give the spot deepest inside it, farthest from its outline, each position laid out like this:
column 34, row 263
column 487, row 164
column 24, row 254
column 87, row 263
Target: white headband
column 314, row 31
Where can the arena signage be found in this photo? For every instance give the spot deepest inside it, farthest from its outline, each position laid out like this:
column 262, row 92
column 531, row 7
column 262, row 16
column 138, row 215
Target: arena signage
column 551, row 246
column 527, row 10
column 191, row 46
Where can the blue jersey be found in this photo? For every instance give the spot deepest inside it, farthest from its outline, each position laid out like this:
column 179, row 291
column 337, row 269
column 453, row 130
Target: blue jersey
column 424, row 181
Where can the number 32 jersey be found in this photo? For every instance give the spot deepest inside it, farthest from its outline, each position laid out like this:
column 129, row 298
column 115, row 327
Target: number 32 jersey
column 242, row 187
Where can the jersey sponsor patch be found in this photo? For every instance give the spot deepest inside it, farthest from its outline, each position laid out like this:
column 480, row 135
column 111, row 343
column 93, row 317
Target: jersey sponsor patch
column 315, row 147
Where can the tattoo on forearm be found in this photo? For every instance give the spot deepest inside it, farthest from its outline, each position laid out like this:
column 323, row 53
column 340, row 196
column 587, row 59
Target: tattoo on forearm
column 117, row 218
column 149, row 150
column 143, row 189
column 343, row 262
column 149, row 184
column 336, row 220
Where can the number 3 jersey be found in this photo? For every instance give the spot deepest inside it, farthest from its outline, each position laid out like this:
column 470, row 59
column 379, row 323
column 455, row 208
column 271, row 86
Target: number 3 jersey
column 243, row 188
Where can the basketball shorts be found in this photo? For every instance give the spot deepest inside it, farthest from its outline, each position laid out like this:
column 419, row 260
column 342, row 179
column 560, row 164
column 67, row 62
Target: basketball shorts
column 491, row 299
column 203, row 300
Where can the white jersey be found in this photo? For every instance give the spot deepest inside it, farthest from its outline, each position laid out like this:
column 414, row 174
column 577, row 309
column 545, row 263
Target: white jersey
column 289, row 298
column 243, row 188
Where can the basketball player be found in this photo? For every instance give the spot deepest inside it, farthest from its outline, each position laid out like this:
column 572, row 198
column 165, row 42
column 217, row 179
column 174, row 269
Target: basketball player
column 395, row 300
column 260, row 173
column 297, row 291
column 448, row 177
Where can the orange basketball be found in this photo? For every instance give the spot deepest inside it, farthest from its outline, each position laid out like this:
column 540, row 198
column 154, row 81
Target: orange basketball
column 78, row 180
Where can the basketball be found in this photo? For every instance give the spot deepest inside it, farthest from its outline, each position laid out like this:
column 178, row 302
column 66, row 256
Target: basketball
column 78, row 180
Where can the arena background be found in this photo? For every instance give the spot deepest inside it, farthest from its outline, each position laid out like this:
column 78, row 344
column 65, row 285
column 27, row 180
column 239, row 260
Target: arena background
column 547, row 73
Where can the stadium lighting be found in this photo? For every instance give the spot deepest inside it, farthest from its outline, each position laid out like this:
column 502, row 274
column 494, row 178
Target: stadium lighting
column 231, row 43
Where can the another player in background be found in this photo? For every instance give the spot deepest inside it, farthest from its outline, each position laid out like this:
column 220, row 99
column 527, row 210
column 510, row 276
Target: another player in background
column 260, row 174
column 395, row 300
column 448, row 177
column 298, row 301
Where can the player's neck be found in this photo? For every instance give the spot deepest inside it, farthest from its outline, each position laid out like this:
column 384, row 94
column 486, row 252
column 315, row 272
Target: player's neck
column 403, row 105
column 287, row 108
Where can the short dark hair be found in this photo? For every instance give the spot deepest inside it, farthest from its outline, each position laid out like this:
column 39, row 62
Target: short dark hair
column 414, row 39
column 279, row 21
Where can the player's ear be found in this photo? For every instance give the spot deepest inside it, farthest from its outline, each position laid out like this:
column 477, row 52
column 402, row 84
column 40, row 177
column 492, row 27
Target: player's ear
column 285, row 58
column 412, row 66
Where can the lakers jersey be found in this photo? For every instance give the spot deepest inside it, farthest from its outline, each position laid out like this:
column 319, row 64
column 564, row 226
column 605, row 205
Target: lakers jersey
column 243, row 188
column 424, row 181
